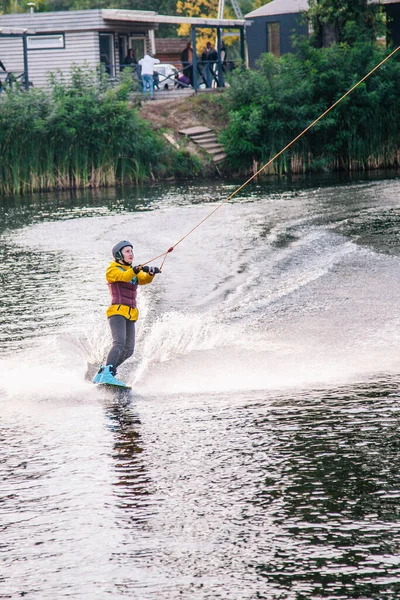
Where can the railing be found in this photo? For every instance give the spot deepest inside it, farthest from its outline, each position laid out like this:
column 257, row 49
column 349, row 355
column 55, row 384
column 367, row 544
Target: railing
column 13, row 79
column 209, row 75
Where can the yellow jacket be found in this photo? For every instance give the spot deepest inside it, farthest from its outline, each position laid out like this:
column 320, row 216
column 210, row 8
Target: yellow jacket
column 117, row 272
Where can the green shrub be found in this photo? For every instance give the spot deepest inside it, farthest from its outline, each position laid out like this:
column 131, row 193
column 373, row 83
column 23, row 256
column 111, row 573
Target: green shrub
column 79, row 134
column 271, row 105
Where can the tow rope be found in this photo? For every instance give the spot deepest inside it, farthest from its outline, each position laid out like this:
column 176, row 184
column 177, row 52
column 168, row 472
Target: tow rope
column 165, row 254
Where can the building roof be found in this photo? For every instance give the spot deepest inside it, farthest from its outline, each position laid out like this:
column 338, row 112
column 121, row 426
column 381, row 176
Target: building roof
column 100, row 19
column 279, row 7
column 115, row 14
column 285, row 7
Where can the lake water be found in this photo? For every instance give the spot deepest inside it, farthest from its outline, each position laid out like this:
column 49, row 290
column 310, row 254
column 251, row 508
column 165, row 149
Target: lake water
column 258, row 454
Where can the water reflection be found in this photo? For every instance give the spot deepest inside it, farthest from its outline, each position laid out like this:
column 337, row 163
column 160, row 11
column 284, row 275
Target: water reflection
column 132, row 483
column 333, row 499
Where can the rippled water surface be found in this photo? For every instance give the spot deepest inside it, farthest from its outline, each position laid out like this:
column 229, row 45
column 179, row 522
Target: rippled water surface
column 258, row 453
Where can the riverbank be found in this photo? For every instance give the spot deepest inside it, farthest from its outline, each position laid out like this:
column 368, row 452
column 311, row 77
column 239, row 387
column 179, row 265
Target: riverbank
column 85, row 134
column 169, row 116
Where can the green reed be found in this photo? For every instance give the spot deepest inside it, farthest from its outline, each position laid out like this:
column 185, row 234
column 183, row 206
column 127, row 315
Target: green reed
column 78, row 134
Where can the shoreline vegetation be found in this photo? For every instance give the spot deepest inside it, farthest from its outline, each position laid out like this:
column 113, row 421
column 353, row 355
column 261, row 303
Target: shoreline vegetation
column 86, row 134
column 81, row 134
column 271, row 105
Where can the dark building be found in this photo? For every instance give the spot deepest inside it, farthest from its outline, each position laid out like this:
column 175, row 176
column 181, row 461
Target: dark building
column 392, row 8
column 271, row 27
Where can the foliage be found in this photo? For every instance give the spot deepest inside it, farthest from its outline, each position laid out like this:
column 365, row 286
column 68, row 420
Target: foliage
column 271, row 105
column 16, row 6
column 185, row 164
column 349, row 20
column 198, row 8
column 82, row 134
column 209, row 9
column 162, row 7
column 165, row 7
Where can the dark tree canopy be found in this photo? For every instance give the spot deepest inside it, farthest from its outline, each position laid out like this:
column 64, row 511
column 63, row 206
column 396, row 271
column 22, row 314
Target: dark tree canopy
column 346, row 21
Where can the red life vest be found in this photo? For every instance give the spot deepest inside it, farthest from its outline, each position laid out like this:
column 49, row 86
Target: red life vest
column 123, row 293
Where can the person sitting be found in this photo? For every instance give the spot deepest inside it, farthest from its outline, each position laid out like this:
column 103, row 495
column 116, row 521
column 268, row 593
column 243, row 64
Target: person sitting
column 182, row 81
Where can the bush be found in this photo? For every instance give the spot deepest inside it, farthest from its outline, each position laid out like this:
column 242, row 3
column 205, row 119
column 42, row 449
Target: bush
column 78, row 134
column 271, row 105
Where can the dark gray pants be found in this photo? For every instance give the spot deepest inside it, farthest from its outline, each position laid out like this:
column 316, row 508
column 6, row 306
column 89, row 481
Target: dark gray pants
column 123, row 335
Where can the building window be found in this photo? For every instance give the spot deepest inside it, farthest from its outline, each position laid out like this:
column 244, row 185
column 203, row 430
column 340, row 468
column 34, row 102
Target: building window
column 274, row 38
column 138, row 43
column 45, row 42
column 107, row 53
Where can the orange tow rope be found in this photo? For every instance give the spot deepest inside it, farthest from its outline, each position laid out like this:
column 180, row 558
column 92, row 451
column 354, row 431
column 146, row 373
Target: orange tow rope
column 165, row 254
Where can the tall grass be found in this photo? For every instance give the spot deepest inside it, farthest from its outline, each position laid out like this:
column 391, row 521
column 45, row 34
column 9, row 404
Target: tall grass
column 78, row 134
column 271, row 105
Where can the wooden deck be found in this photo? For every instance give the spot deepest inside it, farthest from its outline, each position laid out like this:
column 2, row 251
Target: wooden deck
column 178, row 93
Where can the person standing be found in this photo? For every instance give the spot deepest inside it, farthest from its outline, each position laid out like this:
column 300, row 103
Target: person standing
column 187, row 62
column 130, row 60
column 147, row 67
column 123, row 280
column 209, row 58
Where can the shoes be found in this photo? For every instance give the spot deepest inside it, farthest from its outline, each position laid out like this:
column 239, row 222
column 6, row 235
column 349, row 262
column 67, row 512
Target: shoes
column 97, row 377
column 107, row 377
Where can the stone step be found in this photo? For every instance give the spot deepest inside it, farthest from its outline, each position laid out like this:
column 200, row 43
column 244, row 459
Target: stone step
column 214, row 150
column 209, row 137
column 206, row 139
column 191, row 131
column 211, row 148
column 203, row 134
column 204, row 142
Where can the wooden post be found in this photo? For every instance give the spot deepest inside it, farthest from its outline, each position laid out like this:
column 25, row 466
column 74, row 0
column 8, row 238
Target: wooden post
column 219, row 62
column 194, row 58
column 242, row 52
column 25, row 47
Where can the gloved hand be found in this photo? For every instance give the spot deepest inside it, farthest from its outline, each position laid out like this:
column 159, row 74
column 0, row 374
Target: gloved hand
column 146, row 269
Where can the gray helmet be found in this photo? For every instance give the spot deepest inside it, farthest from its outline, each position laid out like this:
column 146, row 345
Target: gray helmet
column 116, row 251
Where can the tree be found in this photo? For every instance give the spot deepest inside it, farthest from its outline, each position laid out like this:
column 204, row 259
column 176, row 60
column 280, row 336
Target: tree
column 197, row 8
column 163, row 7
column 346, row 21
column 209, row 8
column 21, row 6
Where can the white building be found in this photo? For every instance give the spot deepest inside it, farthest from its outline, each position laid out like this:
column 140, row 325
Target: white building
column 57, row 40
